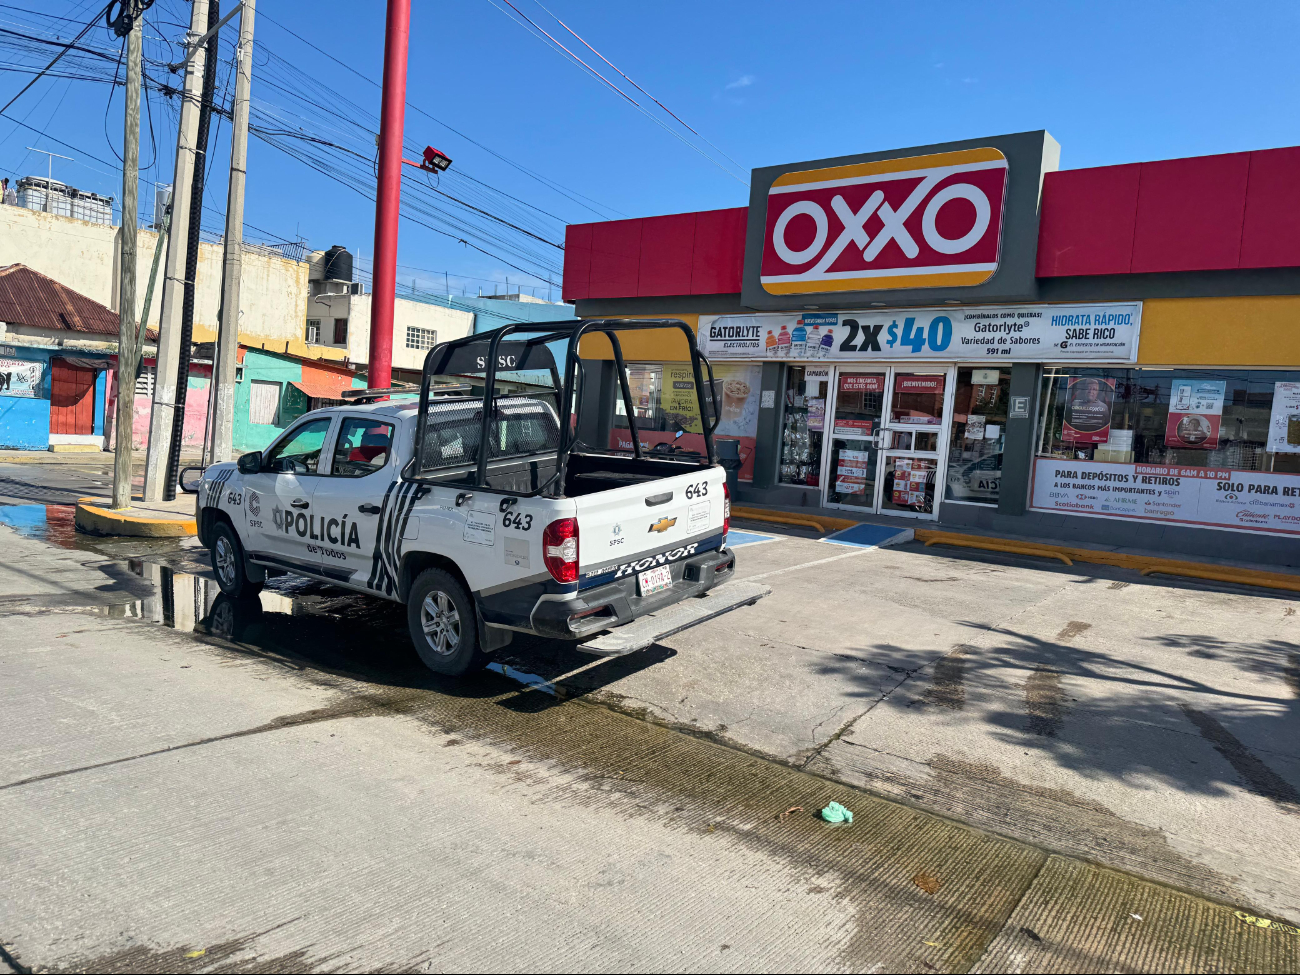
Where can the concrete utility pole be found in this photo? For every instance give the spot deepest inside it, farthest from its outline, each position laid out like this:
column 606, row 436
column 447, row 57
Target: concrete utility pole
column 169, row 317
column 221, row 404
column 126, row 333
column 388, row 199
column 192, row 253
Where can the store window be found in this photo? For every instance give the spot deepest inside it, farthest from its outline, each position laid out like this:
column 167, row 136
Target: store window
column 1206, row 447
column 667, row 410
column 979, row 432
column 803, row 424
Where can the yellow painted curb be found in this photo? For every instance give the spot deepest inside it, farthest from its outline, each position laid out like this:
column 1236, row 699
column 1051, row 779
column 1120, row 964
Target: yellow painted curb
column 1144, row 564
column 94, row 517
column 816, row 522
column 75, row 448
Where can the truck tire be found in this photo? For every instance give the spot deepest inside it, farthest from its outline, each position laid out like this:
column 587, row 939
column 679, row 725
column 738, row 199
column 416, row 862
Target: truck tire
column 444, row 627
column 228, row 563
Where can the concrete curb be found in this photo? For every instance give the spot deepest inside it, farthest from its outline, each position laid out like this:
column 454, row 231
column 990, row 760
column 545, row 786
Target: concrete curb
column 1144, row 564
column 94, row 517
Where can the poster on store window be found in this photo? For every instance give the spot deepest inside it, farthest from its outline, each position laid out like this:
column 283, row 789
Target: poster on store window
column 1284, row 423
column 1195, row 413
column 1087, row 410
column 738, row 392
column 680, row 404
column 20, row 377
column 909, row 481
column 851, row 471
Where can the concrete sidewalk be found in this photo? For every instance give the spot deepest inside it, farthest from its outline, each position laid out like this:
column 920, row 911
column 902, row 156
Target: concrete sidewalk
column 292, row 791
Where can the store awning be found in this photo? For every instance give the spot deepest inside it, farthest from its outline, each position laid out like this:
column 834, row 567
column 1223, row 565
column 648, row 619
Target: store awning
column 320, row 390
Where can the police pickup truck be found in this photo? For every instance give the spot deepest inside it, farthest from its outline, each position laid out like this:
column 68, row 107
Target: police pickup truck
column 482, row 508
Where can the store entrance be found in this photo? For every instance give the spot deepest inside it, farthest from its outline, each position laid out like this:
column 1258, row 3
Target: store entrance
column 886, row 434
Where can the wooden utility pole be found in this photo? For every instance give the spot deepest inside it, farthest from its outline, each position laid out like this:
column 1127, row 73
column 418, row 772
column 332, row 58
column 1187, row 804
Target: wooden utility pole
column 221, row 404
column 126, row 341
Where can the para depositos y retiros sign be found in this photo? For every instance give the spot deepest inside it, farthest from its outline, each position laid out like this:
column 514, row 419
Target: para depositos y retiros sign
column 1028, row 333
column 1202, row 496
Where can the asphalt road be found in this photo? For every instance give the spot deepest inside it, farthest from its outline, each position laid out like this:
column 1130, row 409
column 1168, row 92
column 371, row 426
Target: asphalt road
column 191, row 784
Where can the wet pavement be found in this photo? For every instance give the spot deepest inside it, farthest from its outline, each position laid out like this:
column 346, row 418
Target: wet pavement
column 198, row 784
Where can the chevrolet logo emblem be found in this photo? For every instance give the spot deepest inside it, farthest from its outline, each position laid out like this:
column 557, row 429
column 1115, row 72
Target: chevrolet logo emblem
column 663, row 524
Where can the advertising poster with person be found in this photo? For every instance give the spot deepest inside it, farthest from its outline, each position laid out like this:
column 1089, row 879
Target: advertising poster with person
column 1195, row 413
column 20, row 377
column 1087, row 410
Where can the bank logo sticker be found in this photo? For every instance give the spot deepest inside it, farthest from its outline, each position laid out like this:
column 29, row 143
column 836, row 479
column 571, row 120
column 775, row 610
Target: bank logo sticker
column 663, row 524
column 918, row 222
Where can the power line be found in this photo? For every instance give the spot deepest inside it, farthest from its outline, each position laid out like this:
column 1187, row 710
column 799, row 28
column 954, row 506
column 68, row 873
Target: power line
column 551, row 184
column 66, row 47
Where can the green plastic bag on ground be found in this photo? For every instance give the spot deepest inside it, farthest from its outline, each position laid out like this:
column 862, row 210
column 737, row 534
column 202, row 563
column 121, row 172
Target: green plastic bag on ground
column 835, row 813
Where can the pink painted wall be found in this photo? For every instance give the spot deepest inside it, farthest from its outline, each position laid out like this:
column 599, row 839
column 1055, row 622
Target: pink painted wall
column 196, row 411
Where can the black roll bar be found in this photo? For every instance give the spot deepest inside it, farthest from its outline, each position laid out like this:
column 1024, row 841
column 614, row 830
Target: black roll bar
column 574, row 330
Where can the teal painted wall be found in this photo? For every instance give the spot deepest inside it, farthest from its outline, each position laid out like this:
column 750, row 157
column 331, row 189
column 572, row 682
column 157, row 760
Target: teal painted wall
column 261, row 367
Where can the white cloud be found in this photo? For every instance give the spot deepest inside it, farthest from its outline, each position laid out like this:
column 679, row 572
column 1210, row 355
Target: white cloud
column 744, row 81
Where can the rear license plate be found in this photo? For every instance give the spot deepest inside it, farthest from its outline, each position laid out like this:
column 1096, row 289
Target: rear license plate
column 654, row 580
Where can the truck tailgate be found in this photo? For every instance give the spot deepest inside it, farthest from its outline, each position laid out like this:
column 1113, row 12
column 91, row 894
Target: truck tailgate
column 625, row 522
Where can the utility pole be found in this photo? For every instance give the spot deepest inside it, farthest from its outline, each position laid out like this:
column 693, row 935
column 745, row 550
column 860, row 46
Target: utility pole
column 169, row 316
column 221, row 404
column 126, row 332
column 389, row 194
column 192, row 255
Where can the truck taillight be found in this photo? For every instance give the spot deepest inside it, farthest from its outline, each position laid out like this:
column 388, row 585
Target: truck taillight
column 726, row 511
column 560, row 549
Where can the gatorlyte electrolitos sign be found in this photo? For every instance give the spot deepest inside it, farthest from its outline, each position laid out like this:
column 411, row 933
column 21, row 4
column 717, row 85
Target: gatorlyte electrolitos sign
column 985, row 333
column 907, row 226
column 919, row 222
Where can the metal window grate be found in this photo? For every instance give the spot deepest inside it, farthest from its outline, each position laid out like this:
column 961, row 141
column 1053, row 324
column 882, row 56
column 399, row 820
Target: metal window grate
column 420, row 338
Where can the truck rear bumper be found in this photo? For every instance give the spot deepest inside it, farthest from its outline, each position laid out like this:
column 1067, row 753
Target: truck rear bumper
column 615, row 604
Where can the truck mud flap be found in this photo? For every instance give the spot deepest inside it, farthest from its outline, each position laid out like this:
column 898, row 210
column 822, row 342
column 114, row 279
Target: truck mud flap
column 650, row 629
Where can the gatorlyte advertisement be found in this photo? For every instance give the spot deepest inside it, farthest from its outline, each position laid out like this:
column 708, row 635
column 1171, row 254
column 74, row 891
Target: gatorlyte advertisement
column 1026, row 333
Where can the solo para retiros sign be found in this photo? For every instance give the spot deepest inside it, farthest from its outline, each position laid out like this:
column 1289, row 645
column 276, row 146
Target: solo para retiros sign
column 1035, row 333
column 1249, row 500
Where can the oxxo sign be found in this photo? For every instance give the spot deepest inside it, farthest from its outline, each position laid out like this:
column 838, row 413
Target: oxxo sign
column 916, row 222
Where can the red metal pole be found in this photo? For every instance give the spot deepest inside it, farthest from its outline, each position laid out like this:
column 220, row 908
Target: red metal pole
column 389, row 195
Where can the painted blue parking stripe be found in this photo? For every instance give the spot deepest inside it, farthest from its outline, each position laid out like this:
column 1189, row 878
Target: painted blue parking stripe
column 735, row 538
column 870, row 536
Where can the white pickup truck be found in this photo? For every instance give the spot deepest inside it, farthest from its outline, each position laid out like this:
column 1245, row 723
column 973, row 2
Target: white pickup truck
column 539, row 533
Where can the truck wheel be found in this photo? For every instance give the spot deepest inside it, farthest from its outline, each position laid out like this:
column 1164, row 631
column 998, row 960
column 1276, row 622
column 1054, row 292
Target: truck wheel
column 228, row 563
column 443, row 625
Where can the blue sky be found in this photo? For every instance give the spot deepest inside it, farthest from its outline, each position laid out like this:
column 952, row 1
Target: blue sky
column 763, row 82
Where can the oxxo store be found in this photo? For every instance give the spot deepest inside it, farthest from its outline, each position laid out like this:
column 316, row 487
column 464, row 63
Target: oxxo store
column 963, row 334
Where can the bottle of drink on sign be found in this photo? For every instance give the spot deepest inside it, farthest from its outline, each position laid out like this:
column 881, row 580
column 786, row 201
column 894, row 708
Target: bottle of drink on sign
column 828, row 342
column 771, row 345
column 783, row 344
column 798, row 341
column 815, row 342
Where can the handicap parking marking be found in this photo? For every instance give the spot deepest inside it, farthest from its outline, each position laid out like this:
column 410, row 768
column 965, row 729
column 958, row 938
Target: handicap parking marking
column 870, row 536
column 735, row 538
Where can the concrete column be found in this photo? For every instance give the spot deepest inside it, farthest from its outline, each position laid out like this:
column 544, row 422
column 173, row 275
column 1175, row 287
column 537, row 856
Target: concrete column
column 222, row 404
column 1018, row 448
column 767, row 447
column 169, row 317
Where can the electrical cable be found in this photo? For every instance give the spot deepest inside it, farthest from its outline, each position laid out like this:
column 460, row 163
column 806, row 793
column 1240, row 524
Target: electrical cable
column 84, row 31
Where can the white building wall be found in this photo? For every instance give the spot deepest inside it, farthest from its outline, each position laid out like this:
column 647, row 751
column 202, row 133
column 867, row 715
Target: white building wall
column 448, row 323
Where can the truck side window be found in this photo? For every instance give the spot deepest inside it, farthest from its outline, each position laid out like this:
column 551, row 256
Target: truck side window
column 362, row 447
column 300, row 451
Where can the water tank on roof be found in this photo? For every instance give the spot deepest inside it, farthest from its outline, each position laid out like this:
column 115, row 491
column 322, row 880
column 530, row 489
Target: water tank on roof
column 338, row 264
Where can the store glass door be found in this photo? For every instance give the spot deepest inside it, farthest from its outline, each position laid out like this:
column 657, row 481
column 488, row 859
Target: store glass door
column 853, row 427
column 914, row 442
